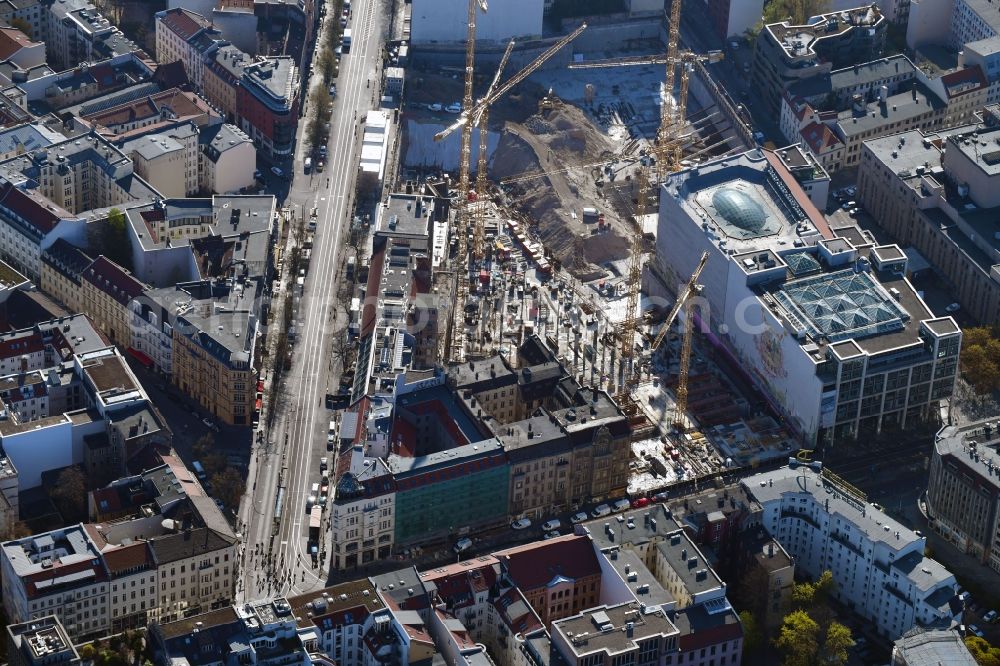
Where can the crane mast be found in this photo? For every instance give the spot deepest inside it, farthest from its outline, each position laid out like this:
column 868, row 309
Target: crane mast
column 456, row 353
column 479, row 213
column 634, row 280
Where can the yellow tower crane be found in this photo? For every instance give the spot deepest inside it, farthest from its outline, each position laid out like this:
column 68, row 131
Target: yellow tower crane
column 456, row 351
column 479, row 211
column 683, row 301
column 470, row 115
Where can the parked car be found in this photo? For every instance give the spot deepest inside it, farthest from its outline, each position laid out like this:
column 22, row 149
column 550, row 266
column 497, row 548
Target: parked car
column 975, row 631
column 990, row 616
column 218, row 503
column 662, row 496
column 551, row 535
column 521, row 524
column 322, row 464
column 310, row 502
column 601, row 510
column 454, row 107
column 578, row 518
column 640, row 502
column 954, row 307
column 621, row 505
column 434, row 107
column 462, row 545
column 550, row 525
column 277, row 171
column 209, row 423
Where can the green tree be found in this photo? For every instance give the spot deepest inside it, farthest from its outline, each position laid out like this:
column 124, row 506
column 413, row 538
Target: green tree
column 21, row 25
column 981, row 358
column 795, row 11
column 799, row 639
column 803, row 595
column 204, row 445
column 115, row 243
column 984, row 653
column 229, row 487
column 87, row 652
column 70, row 494
column 838, row 642
column 753, row 637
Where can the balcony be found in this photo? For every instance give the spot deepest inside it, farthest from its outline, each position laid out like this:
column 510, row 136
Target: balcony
column 843, row 540
column 800, row 515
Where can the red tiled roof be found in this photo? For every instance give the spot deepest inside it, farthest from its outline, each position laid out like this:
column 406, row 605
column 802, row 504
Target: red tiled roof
column 27, row 208
column 819, row 137
column 536, row 564
column 110, row 497
column 12, row 40
column 113, row 280
column 127, row 558
column 963, row 81
column 16, row 346
column 183, row 23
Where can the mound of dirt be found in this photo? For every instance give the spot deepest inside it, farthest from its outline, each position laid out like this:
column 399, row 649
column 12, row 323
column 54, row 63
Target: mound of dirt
column 567, row 146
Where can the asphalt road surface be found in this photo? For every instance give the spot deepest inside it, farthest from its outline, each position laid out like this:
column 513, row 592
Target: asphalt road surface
column 276, row 560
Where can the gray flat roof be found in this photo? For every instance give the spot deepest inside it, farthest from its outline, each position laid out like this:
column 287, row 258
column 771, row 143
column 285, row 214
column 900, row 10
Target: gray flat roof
column 600, row 629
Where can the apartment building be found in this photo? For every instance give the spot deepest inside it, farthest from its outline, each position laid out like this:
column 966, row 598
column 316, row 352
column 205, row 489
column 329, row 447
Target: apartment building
column 178, row 31
column 221, row 79
column 40, row 642
column 63, row 265
column 61, row 573
column 776, row 272
column 936, row 192
column 105, row 293
column 362, row 512
column 76, row 32
column 127, row 572
column 268, row 103
column 558, row 578
column 152, row 331
column 878, row 566
column 168, row 159
column 227, row 160
column 785, row 53
column 963, row 489
column 214, row 332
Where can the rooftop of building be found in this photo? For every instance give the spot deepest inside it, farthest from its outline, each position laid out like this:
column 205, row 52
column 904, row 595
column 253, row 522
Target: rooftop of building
column 748, row 202
column 635, row 527
column 27, row 137
column 974, row 447
column 406, row 216
column 800, row 480
column 327, row 607
column 42, row 639
column 549, row 562
column 220, row 138
column 800, row 40
column 934, row 647
column 603, row 628
column 640, row 581
column 108, row 373
column 984, row 47
column 220, row 316
column 859, row 75
column 701, row 625
column 183, row 22
column 457, row 458
column 49, row 552
column 113, row 280
column 277, row 76
column 897, row 109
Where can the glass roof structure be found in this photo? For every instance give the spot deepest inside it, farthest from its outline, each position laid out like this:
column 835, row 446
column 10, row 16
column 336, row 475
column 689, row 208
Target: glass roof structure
column 740, row 210
column 802, row 263
column 842, row 305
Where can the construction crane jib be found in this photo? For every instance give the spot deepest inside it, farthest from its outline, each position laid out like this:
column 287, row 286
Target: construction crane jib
column 468, row 116
column 682, row 298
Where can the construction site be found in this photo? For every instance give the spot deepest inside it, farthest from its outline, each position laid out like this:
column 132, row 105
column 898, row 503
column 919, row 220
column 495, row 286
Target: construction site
column 554, row 172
